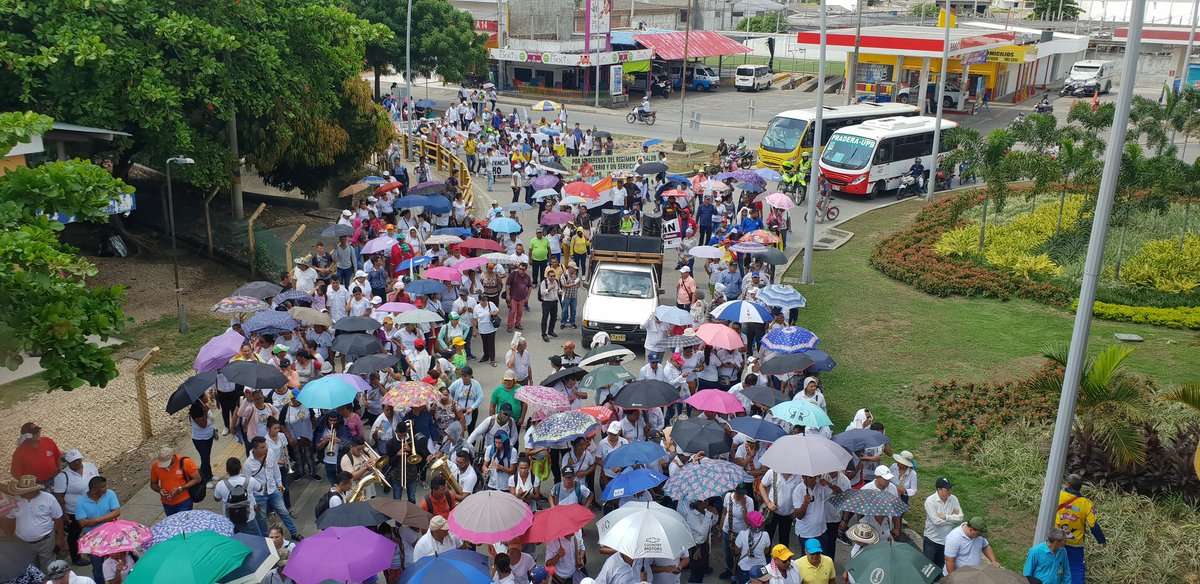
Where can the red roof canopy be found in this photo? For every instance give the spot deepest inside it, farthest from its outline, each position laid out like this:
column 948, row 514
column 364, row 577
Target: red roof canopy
column 700, row 43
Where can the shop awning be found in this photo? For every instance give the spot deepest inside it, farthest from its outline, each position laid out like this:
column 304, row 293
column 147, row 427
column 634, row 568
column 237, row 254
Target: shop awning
column 911, row 41
column 668, row 46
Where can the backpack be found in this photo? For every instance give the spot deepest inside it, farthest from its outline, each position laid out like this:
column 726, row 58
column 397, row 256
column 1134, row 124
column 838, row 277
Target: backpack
column 237, row 502
column 323, row 503
column 198, row 491
column 578, row 493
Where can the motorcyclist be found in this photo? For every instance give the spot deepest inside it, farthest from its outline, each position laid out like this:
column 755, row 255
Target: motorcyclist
column 1043, row 105
column 917, row 171
column 644, row 107
column 722, row 148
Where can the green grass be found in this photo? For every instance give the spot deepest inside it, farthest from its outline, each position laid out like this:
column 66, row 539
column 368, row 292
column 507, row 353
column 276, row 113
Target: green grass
column 176, row 351
column 890, row 339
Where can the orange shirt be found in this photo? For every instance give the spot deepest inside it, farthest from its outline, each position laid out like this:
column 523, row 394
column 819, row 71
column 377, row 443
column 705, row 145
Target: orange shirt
column 173, row 477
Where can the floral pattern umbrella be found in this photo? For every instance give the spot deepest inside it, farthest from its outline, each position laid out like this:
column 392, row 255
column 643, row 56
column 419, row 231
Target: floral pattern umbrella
column 239, row 305
column 760, row 236
column 789, row 339
column 542, row 397
column 558, row 430
column 190, row 522
column 870, row 502
column 411, row 394
column 705, row 478
column 115, row 536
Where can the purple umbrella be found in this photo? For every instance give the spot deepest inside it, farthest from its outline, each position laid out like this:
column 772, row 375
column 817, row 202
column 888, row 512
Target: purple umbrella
column 556, row 217
column 341, row 554
column 270, row 321
column 545, row 181
column 748, row 176
column 218, row 351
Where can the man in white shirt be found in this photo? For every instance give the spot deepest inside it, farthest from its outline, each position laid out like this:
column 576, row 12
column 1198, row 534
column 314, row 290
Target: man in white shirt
column 39, row 519
column 612, row 441
column 228, row 485
column 700, row 519
column 464, row 473
column 59, row 572
column 619, row 569
column 776, row 489
column 263, row 465
column 570, row 491
column 68, row 485
column 337, row 297
column 883, row 482
column 304, row 275
column 942, row 514
column 565, row 554
column 809, row 497
column 437, row 540
column 966, row 546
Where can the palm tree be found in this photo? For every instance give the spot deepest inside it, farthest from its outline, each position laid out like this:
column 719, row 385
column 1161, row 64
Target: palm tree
column 1187, row 394
column 1149, row 123
column 1111, row 404
column 986, row 157
column 1039, row 134
column 1093, row 122
column 1079, row 163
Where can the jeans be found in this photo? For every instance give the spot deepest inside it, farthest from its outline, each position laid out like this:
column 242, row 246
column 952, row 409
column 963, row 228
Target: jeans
column 287, row 485
column 204, row 449
column 936, row 552
column 173, row 509
column 730, row 561
column 98, row 569
column 471, row 163
column 331, row 471
column 581, row 261
column 228, row 402
column 539, row 270
column 470, row 334
column 568, row 311
column 491, row 179
column 1075, row 560
column 344, row 274
column 274, row 503
column 705, row 235
column 549, row 316
column 71, row 526
column 305, row 466
column 515, row 308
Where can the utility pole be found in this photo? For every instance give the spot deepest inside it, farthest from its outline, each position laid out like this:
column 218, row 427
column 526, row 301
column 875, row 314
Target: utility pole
column 408, row 74
column 814, row 173
column 181, row 311
column 931, row 182
column 852, row 79
column 1182, row 73
column 1077, row 353
column 235, row 190
column 680, row 145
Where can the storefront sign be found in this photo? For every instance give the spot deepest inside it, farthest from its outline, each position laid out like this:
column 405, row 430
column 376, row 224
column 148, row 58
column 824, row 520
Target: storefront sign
column 976, row 58
column 487, row 26
column 670, row 234
column 570, row 59
column 604, row 165
column 1012, row 54
column 600, row 13
column 616, row 80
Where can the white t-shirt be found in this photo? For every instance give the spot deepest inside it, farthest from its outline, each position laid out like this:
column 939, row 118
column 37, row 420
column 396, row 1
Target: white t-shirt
column 467, row 479
column 753, row 548
column 427, row 545
column 813, row 522
column 526, row 485
column 567, row 496
column 110, row 565
column 35, row 517
column 221, row 491
column 73, row 485
column 737, row 517
column 566, row 564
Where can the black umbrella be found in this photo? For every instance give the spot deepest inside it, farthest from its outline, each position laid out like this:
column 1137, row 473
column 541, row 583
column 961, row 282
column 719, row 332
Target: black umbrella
column 646, row 394
column 372, row 363
column 604, row 353
column 772, row 256
column 764, row 396
column 780, row 364
column 254, row 375
column 564, row 373
column 351, row 515
column 602, row 133
column 650, row 168
column 190, row 390
column 15, row 557
column 356, row 344
column 356, row 324
column 259, row 289
column 860, row 439
column 553, row 164
column 337, row 230
column 700, row 435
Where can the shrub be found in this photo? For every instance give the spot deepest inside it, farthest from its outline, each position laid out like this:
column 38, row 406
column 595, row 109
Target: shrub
column 960, row 242
column 1183, row 317
column 1120, row 293
column 1163, row 266
column 967, row 412
column 1012, row 245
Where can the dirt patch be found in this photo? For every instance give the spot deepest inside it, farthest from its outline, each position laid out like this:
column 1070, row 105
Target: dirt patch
column 149, row 281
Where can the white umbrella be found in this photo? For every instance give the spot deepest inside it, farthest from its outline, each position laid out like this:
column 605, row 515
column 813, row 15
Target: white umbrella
column 642, row 529
column 706, row 252
column 501, row 258
column 417, row 316
column 443, row 240
column 806, row 455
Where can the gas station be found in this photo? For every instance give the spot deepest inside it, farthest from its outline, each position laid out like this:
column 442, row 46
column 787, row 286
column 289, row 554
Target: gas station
column 1175, row 37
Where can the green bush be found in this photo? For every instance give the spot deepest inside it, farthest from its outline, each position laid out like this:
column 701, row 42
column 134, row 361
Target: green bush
column 967, row 412
column 961, row 242
column 1013, row 245
column 1183, row 317
column 1119, row 293
column 1163, row 266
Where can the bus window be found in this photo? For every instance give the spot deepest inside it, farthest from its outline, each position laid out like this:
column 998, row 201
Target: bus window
column 783, row 134
column 848, row 152
column 884, row 154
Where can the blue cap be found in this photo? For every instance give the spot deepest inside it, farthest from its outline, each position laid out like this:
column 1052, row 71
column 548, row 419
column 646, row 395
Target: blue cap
column 758, row 572
column 812, row 546
column 538, row 574
column 654, row 357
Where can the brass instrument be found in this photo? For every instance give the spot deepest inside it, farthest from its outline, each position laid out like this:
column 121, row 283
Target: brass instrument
column 358, row 493
column 441, row 466
column 413, row 457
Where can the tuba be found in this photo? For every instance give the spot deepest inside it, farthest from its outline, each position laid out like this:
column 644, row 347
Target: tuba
column 358, row 493
column 441, row 466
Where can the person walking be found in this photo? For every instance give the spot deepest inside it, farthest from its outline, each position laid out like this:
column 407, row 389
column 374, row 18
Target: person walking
column 966, row 545
column 539, row 254
column 580, row 244
column 685, row 291
column 1047, row 562
column 942, row 514
column 38, row 518
column 569, row 283
column 549, row 293
column 263, row 465
column 68, row 486
column 1076, row 515
column 518, row 285
column 203, row 435
column 487, row 318
column 172, row 477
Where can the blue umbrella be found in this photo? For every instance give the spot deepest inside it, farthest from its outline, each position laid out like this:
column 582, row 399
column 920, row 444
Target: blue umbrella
column 522, row 206
column 415, row 262
column 424, row 103
column 438, row 206
column 751, row 187
column 768, row 173
column 789, row 339
column 374, row 180
column 651, row 142
column 547, row 130
column 801, row 412
column 742, row 311
column 860, row 439
column 634, row 453
column 504, row 225
column 327, row 393
column 747, row 176
column 273, row 320
column 782, row 296
column 821, row 360
column 296, row 296
column 452, row 567
column 632, row 482
column 678, row 178
column 757, row 428
column 259, row 553
column 545, row 194
column 413, row 201
column 423, row 287
column 455, row 231
column 724, row 176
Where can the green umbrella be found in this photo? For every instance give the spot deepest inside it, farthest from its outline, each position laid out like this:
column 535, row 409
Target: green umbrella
column 892, row 563
column 604, row 376
column 202, row 557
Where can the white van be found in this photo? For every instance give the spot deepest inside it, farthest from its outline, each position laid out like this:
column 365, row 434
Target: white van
column 1102, row 74
column 752, row 77
column 870, row 158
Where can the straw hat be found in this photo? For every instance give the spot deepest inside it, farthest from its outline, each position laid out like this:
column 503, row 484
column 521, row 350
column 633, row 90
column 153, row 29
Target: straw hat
column 906, row 458
column 863, row 534
column 23, row 485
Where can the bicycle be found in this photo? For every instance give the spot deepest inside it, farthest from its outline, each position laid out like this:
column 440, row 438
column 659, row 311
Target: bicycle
column 826, row 210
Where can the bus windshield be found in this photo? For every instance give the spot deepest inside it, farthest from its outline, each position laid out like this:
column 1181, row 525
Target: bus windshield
column 783, row 134
column 848, row 152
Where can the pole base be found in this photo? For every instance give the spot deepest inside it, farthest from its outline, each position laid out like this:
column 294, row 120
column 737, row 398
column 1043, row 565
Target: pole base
column 182, row 318
column 679, row 145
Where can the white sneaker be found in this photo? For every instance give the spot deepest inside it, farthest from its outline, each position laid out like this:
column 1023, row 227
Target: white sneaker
column 225, row 431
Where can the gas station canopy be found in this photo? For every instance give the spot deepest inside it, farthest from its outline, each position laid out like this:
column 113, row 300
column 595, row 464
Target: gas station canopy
column 911, row 41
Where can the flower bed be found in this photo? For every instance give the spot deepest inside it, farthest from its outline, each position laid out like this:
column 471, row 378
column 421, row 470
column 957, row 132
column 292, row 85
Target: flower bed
column 967, row 413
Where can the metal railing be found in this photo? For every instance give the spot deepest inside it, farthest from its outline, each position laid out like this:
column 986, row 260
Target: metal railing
column 445, row 160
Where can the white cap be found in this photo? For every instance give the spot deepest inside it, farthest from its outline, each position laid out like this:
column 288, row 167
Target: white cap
column 360, row 274
column 72, row 455
column 883, row 472
column 614, row 428
column 685, row 269
column 346, row 213
column 399, row 285
column 376, row 300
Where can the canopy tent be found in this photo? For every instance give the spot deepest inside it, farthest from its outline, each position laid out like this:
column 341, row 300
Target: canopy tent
column 668, row 46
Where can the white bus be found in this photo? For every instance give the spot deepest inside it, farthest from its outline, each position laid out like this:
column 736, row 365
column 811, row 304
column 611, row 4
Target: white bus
column 789, row 133
column 870, row 158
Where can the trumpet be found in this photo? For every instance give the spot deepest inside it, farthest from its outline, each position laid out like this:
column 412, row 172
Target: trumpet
column 358, row 493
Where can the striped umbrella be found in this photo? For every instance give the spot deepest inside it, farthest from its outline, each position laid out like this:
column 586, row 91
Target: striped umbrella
column 705, row 478
column 741, row 311
column 545, row 105
column 760, row 236
column 782, row 296
column 789, row 339
column 748, row 247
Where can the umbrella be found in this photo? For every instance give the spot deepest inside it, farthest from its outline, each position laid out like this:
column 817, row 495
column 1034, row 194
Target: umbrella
column 188, row 558
column 418, row 316
column 543, row 397
column 687, row 339
column 645, row 394
column 603, row 414
column 558, row 521
column 705, row 478
column 395, row 307
column 752, row 187
column 341, row 554
column 673, row 315
column 238, row 305
column 806, row 455
column 707, row 252
column 788, row 363
column 564, row 373
column 259, row 289
column 459, row 232
column 559, row 430
column 452, row 567
column 443, row 240
column 651, row 142
column 741, row 311
column 481, row 244
column 380, row 244
column 310, row 316
column 700, row 435
column 714, row 185
column 427, row 188
column 294, row 296
column 552, row 165
column 414, row 262
column 764, row 395
column 870, row 502
column 721, row 336
column 254, row 375
column 388, row 186
column 504, row 225
column 372, row 363
column 768, row 173
column 414, row 201
column 327, row 393
column 356, row 344
column 650, row 168
column 262, row 559
column 645, row 530
column 772, row 256
column 16, row 561
column 779, row 201
column 749, row 247
column 821, row 360
column 356, row 514
column 756, row 428
column 641, row 452
column 789, row 339
column 715, row 400
column 605, row 353
column 572, row 200
column 675, row 193
column 604, row 376
column 501, row 258
column 402, row 512
column 118, row 535
column 746, row 176
column 892, row 563
column 545, row 105
column 269, row 320
column 860, row 439
column 443, row 273
column 490, row 517
column 190, row 390
column 373, row 180
column 190, row 522
column 425, row 287
column 630, row 482
column 781, row 296
column 556, row 218
column 760, row 236
column 544, row 181
column 548, row 131
column 983, row 574
column 357, row 382
column 352, row 190
column 521, row 206
column 356, row 324
column 581, row 189
column 217, row 352
column 801, row 413
column 424, row 103
column 411, row 394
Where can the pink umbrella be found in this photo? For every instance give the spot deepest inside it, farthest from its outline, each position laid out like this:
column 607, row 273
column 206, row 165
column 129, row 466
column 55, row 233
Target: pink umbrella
column 396, row 307
column 780, row 201
column 715, row 400
column 676, row 193
column 380, row 244
column 118, row 535
column 490, row 517
column 471, row 264
column 443, row 273
column 720, row 336
column 556, row 217
column 543, row 397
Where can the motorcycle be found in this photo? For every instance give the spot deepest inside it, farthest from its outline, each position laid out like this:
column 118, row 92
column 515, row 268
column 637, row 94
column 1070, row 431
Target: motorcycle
column 909, row 187
column 1044, row 108
column 1080, row 89
column 637, row 115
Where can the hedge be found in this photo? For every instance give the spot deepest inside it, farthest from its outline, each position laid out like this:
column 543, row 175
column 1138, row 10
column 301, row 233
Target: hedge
column 1180, row 318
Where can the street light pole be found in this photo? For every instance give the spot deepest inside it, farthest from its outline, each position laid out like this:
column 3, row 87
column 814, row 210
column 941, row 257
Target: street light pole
column 931, row 183
column 1077, row 353
column 814, row 174
column 680, row 145
column 181, row 312
column 408, row 73
column 852, row 79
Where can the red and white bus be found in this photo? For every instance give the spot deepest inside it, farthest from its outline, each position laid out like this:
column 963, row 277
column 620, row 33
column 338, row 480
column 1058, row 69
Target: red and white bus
column 870, row 158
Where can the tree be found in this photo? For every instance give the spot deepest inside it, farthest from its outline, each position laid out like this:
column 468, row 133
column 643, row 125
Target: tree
column 1050, row 9
column 1187, row 394
column 770, row 23
column 925, row 10
column 1093, row 122
column 1080, row 164
column 48, row 307
column 986, row 157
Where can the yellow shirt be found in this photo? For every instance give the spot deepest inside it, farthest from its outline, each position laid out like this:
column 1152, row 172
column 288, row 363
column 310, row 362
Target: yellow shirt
column 470, row 147
column 810, row 574
column 560, row 149
column 1075, row 514
column 579, row 245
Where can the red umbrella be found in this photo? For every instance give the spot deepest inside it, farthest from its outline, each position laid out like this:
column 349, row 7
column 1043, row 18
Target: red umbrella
column 602, row 414
column 558, row 521
column 385, row 187
column 760, row 236
column 481, row 244
column 581, row 189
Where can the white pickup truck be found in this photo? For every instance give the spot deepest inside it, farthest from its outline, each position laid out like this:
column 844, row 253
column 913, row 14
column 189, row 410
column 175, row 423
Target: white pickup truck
column 624, row 287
